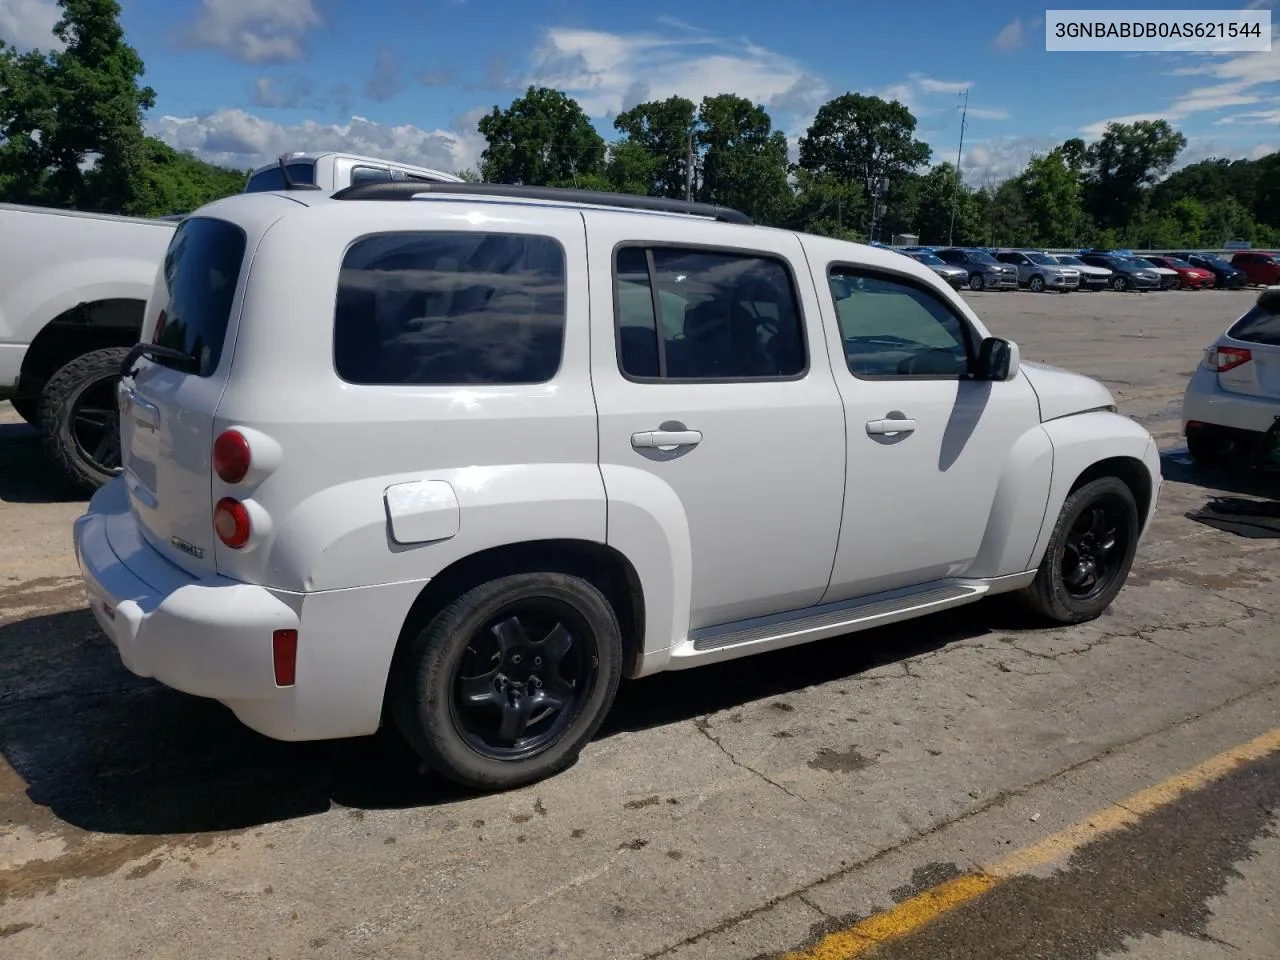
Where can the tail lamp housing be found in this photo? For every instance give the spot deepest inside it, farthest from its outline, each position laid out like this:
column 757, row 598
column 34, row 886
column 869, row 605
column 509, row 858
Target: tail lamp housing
column 1220, row 359
column 232, row 457
column 231, row 522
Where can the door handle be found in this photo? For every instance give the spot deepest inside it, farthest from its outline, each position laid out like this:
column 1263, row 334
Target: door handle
column 666, row 439
column 890, row 426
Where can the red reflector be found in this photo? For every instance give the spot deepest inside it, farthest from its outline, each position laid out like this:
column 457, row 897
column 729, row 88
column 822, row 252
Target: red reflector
column 284, row 655
column 231, row 523
column 1223, row 359
column 231, row 456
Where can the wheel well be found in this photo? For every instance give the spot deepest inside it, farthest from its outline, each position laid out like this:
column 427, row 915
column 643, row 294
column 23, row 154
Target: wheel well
column 603, row 566
column 83, row 329
column 1130, row 471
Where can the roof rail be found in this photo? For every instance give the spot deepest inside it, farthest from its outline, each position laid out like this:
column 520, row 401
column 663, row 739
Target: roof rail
column 402, row 190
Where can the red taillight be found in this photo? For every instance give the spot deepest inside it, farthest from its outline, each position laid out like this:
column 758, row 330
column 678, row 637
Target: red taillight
column 284, row 656
column 231, row 456
column 160, row 322
column 231, row 523
column 1222, row 359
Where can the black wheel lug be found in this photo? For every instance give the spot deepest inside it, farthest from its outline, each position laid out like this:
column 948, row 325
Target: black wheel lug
column 537, row 661
column 515, row 658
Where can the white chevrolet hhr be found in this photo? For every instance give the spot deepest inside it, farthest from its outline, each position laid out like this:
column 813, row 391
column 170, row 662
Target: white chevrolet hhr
column 460, row 457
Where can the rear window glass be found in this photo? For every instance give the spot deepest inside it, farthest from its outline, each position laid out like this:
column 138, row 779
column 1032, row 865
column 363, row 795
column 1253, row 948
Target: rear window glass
column 1258, row 326
column 450, row 308
column 201, row 268
column 273, row 179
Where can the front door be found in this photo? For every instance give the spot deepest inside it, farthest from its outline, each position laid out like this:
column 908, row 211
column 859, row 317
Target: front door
column 717, row 408
column 927, row 444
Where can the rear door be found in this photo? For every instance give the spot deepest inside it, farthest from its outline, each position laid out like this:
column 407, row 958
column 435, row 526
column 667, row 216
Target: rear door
column 711, row 376
column 167, row 408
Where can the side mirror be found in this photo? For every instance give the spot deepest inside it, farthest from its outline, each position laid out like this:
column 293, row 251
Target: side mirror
column 997, row 359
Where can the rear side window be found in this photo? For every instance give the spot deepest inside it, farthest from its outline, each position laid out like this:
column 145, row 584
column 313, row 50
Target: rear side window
column 201, row 268
column 698, row 314
column 1257, row 326
column 450, row 308
column 272, row 179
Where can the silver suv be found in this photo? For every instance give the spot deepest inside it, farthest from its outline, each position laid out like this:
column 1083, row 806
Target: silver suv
column 1039, row 272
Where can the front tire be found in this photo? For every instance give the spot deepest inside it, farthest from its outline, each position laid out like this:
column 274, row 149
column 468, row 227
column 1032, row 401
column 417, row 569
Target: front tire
column 1036, row 285
column 80, row 419
column 1089, row 554
column 1120, row 284
column 508, row 683
column 976, row 282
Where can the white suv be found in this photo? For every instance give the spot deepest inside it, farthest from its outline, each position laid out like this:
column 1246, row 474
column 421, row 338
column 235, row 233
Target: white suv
column 462, row 456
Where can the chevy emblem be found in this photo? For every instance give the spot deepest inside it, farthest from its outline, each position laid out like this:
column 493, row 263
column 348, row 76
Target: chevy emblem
column 187, row 548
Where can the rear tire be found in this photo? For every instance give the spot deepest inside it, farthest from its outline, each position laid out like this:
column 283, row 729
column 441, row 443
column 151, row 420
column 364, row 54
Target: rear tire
column 80, row 421
column 1080, row 575
column 1209, row 447
column 468, row 669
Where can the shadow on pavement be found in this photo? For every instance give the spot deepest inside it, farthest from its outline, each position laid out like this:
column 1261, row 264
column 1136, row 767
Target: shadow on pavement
column 1235, row 477
column 108, row 752
column 25, row 475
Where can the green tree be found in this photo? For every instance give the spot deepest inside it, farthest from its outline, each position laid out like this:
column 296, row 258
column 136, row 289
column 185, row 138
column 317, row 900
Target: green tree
column 71, row 120
column 1051, row 198
column 544, row 138
column 172, row 182
column 662, row 130
column 630, row 168
column 823, row 205
column 936, row 191
column 1122, row 163
column 859, row 139
column 744, row 160
column 1006, row 214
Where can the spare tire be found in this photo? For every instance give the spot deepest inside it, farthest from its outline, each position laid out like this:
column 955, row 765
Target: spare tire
column 80, row 418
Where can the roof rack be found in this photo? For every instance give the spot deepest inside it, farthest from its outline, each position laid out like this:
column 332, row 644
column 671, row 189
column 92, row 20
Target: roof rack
column 402, row 190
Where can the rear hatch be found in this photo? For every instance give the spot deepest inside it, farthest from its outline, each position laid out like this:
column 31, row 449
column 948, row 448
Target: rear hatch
column 1258, row 332
column 168, row 405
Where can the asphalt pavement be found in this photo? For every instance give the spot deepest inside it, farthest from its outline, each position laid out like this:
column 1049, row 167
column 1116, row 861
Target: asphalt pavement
column 969, row 785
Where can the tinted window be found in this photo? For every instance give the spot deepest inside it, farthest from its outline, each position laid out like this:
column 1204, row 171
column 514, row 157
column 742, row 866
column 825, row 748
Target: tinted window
column 951, row 256
column 1257, row 326
column 891, row 328
column 201, row 268
column 722, row 316
column 273, row 179
column 1042, row 258
column 369, row 175
column 450, row 308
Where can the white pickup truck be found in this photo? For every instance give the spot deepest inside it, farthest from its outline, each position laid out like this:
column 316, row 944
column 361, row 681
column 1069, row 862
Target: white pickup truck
column 72, row 290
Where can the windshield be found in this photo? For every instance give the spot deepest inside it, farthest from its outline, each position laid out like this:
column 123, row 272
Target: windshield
column 273, row 178
column 1137, row 263
column 1070, row 261
column 1042, row 258
column 1216, row 261
column 931, row 259
column 1178, row 264
column 979, row 256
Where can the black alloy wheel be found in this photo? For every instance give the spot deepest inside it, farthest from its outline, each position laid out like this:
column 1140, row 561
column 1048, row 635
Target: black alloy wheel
column 523, row 678
column 1093, row 549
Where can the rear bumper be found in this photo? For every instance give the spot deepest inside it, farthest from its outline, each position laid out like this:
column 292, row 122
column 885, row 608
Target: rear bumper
column 1206, row 402
column 210, row 637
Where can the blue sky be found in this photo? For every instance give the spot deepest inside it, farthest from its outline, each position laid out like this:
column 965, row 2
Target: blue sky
column 242, row 81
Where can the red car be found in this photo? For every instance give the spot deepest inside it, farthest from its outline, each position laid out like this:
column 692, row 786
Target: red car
column 1259, row 266
column 1189, row 277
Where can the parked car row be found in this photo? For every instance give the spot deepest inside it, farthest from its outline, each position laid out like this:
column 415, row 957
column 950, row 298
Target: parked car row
column 1095, row 269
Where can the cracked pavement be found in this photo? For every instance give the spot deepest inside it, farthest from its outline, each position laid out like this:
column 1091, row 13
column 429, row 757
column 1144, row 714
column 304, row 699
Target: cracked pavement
column 726, row 812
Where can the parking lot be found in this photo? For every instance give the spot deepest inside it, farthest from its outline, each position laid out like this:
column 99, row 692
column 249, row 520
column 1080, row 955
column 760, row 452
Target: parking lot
column 968, row 785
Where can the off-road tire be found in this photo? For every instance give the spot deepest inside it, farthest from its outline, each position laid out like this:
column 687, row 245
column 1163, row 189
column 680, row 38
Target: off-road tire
column 57, row 403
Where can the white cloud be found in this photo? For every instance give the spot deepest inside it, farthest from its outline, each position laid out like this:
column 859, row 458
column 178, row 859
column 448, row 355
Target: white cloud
column 28, row 24
column 925, row 97
column 1257, row 116
column 253, row 31
column 600, row 70
column 989, row 113
column 991, row 161
column 242, row 140
column 1010, row 36
column 1207, row 148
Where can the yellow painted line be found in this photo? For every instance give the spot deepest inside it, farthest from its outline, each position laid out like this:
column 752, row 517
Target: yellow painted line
column 910, row 915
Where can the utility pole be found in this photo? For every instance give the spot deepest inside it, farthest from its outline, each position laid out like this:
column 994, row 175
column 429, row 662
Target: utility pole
column 688, row 168
column 955, row 190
